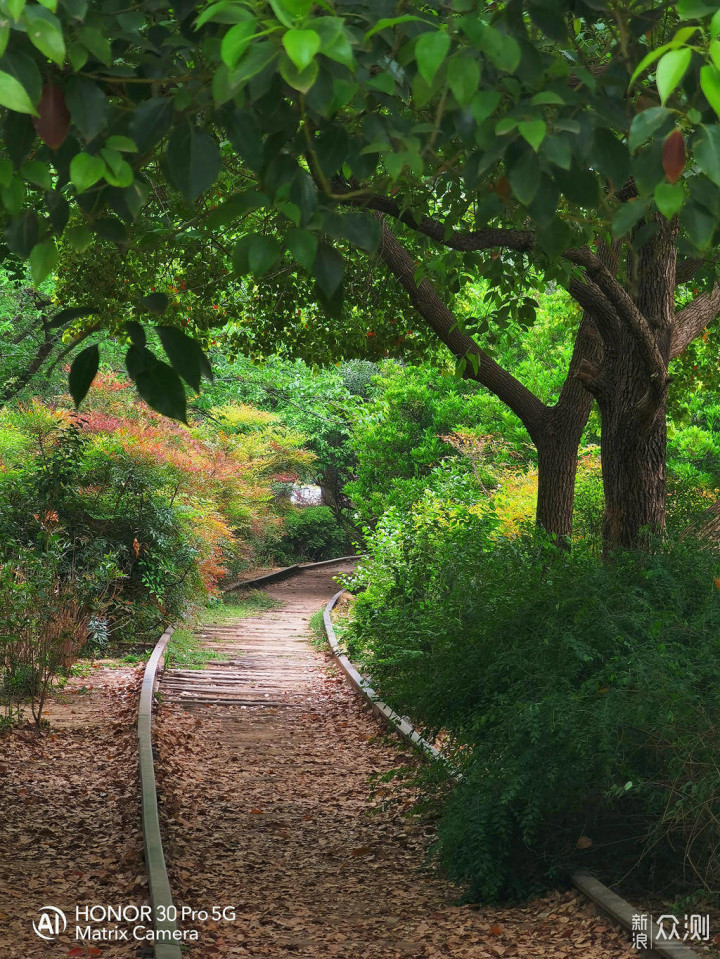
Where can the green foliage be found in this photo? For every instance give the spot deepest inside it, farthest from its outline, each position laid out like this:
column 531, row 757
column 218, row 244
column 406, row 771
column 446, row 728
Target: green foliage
column 578, row 697
column 311, row 534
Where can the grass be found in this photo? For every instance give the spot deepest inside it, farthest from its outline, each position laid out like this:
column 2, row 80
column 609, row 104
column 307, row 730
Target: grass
column 185, row 648
column 317, row 630
column 238, row 605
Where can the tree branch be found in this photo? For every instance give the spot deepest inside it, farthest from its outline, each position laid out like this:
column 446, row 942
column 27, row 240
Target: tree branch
column 488, row 238
column 693, row 318
column 436, row 314
column 622, row 304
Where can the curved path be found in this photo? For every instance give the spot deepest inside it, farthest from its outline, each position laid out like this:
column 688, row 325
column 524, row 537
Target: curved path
column 274, row 804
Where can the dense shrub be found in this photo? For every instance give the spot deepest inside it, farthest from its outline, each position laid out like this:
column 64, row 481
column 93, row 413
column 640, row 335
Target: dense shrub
column 581, row 698
column 311, row 533
column 175, row 509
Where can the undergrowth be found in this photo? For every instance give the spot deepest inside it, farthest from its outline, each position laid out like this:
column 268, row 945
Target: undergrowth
column 580, row 697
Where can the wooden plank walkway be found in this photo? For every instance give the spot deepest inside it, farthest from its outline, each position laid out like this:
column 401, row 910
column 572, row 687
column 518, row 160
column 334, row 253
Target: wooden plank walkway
column 276, row 802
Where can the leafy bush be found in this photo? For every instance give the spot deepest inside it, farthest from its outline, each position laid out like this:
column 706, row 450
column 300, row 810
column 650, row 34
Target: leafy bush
column 580, row 698
column 176, row 510
column 311, row 534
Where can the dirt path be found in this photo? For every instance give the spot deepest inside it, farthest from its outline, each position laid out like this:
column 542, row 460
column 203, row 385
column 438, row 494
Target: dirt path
column 268, row 809
column 70, row 829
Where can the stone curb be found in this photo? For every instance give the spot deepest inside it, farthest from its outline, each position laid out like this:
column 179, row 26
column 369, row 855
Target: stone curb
column 158, row 882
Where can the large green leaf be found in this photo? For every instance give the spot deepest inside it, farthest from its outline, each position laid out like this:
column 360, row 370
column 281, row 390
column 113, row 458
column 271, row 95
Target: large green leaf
column 44, row 33
column 14, row 96
column 193, row 160
column 86, row 170
column 185, row 355
column 430, row 51
column 43, row 260
column 707, row 153
column 671, row 68
column 87, row 104
column 301, row 46
column 328, row 269
column 82, row 373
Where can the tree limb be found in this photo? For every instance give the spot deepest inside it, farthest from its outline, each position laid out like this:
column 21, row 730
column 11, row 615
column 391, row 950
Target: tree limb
column 436, row 314
column 488, row 238
column 693, row 318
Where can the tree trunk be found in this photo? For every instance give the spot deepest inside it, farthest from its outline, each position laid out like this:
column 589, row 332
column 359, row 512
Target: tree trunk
column 633, row 459
column 559, row 439
column 633, row 399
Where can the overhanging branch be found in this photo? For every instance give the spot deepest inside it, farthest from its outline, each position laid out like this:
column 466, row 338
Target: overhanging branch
column 436, row 314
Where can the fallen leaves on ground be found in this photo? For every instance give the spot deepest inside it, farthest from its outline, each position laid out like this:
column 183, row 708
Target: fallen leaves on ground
column 271, row 811
column 71, row 828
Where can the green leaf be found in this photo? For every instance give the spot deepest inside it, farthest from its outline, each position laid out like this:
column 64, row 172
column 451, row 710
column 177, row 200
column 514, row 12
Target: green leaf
column 43, row 260
column 301, row 80
column 669, row 199
column 693, row 9
column 626, row 216
column 162, row 389
column 4, row 36
column 121, row 144
column 502, row 50
column 82, row 373
column 193, row 160
column 430, row 51
column 533, row 131
column 710, row 83
column 645, row 124
column 6, row 171
column 263, row 253
column 87, row 104
column 302, row 244
column 34, row 171
column 155, row 302
column 236, row 41
column 328, row 269
column 557, row 149
column 361, row 229
column 15, row 8
column 13, row 196
column 524, row 177
column 611, row 156
column 150, row 122
column 79, row 237
column 22, row 233
column 96, row 43
column 707, row 153
column 301, row 46
column 136, row 332
column 86, row 170
column 463, row 75
column 647, row 60
column 484, row 104
column 670, row 70
column 44, row 35
column 118, row 172
column 715, row 25
column 14, row 96
column 185, row 355
column 547, row 98
column 389, row 22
